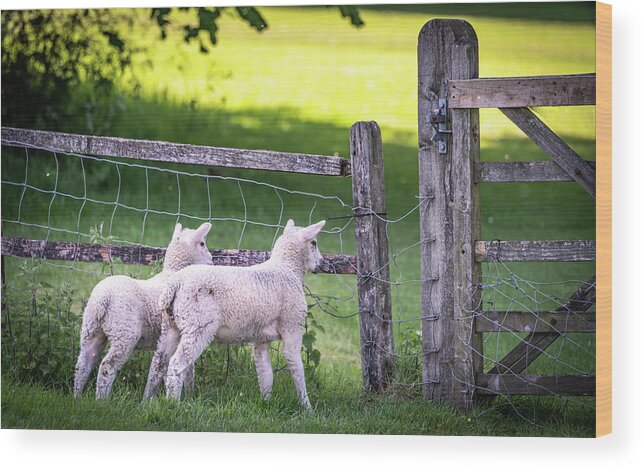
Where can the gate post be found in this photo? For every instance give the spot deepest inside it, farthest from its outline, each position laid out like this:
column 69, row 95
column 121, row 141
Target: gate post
column 373, row 279
column 449, row 214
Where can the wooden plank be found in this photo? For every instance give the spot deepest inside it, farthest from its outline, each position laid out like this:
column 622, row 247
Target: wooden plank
column 436, row 53
column 576, row 167
column 523, row 354
column 70, row 251
column 559, row 90
column 535, row 251
column 467, row 275
column 3, row 289
column 434, row 59
column 532, row 171
column 371, row 242
column 177, row 152
column 604, row 218
column 520, row 321
column 536, row 385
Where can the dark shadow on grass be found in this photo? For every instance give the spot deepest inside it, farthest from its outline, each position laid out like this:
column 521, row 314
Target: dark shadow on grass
column 510, row 211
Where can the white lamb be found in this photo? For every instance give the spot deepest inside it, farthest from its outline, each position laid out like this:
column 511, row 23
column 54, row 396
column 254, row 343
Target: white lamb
column 255, row 304
column 124, row 311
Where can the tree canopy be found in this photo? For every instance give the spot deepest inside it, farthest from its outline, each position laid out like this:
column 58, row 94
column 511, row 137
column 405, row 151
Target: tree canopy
column 48, row 53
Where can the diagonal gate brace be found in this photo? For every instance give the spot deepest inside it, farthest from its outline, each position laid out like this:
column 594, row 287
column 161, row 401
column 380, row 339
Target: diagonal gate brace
column 518, row 359
column 570, row 162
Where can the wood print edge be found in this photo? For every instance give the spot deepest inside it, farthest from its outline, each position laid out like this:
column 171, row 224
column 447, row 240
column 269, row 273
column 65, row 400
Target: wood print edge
column 604, row 219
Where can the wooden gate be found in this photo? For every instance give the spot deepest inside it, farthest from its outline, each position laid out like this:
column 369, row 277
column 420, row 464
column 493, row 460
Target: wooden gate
column 449, row 96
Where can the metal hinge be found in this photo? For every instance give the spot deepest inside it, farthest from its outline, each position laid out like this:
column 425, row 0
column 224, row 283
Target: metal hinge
column 438, row 120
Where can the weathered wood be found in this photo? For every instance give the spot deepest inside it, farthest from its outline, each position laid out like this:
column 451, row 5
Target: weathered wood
column 535, row 251
column 3, row 286
column 523, row 354
column 70, row 251
column 561, row 90
column 177, row 152
column 532, row 171
column 520, row 321
column 465, row 200
column 446, row 49
column 434, row 63
column 536, row 385
column 373, row 280
column 575, row 166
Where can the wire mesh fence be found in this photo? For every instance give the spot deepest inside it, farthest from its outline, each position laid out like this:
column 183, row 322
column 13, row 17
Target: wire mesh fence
column 74, row 199
column 64, row 197
column 538, row 337
column 71, row 200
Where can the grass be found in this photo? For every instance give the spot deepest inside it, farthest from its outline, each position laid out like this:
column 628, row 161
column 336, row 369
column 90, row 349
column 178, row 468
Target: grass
column 237, row 407
column 298, row 87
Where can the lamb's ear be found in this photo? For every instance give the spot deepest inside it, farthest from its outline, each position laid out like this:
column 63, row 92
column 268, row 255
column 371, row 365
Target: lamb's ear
column 203, row 230
column 311, row 231
column 289, row 225
column 177, row 231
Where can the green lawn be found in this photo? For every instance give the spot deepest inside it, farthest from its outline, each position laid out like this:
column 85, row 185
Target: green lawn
column 299, row 86
column 237, row 407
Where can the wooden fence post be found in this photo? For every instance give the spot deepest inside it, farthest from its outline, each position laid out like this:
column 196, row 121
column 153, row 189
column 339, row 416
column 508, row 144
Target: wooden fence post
column 449, row 214
column 4, row 284
column 373, row 279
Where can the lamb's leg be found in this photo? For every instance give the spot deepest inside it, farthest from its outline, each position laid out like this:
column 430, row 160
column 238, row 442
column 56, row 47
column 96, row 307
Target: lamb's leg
column 118, row 353
column 261, row 351
column 191, row 346
column 292, row 352
column 166, row 347
column 188, row 383
column 90, row 350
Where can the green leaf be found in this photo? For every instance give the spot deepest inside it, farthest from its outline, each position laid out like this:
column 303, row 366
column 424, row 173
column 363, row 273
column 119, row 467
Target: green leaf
column 190, row 33
column 353, row 13
column 160, row 15
column 307, row 341
column 315, row 357
column 115, row 40
column 252, row 16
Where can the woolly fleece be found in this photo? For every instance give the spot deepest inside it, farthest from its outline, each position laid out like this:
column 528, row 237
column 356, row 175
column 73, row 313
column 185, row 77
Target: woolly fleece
column 123, row 311
column 255, row 304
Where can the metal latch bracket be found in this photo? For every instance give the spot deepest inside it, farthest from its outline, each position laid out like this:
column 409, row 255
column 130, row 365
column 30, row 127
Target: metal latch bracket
column 438, row 120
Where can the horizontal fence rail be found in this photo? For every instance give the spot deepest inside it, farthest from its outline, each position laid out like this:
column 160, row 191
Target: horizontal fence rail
column 528, row 350
column 535, row 251
column 535, row 385
column 532, row 171
column 177, row 152
column 519, row 321
column 83, row 252
column 561, row 90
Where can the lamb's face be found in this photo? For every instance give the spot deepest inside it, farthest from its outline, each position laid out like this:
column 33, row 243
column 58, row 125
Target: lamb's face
column 194, row 242
column 306, row 238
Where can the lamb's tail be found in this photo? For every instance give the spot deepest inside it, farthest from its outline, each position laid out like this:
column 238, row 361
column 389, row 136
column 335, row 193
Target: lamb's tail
column 95, row 311
column 166, row 298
